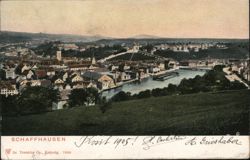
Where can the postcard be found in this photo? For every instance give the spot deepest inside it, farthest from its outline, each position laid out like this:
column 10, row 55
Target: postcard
column 124, row 79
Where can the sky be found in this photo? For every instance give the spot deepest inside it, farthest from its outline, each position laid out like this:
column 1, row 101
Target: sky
column 127, row 18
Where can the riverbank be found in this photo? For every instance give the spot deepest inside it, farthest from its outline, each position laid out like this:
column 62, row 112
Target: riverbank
column 148, row 83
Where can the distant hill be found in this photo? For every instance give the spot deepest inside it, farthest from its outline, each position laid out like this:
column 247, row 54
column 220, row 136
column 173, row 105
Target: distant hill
column 154, row 40
column 10, row 37
column 145, row 36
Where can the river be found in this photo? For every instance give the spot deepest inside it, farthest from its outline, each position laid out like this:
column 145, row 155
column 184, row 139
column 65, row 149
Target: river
column 149, row 83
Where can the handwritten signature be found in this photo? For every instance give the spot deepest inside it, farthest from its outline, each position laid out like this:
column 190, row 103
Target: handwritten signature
column 102, row 141
column 151, row 141
column 147, row 142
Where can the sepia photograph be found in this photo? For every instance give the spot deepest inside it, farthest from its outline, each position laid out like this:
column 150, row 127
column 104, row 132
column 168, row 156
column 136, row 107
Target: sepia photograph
column 124, row 68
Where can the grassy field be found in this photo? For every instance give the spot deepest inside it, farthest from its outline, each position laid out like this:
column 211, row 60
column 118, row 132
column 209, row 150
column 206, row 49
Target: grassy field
column 194, row 114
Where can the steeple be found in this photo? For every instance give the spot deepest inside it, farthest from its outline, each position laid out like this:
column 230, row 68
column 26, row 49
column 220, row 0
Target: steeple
column 93, row 61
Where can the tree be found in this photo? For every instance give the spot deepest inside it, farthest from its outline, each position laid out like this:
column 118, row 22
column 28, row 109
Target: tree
column 2, row 74
column 144, row 94
column 172, row 88
column 159, row 92
column 236, row 85
column 121, row 96
column 8, row 105
column 104, row 104
column 83, row 97
column 218, row 68
column 92, row 96
column 185, row 87
column 148, row 47
column 36, row 99
column 77, row 97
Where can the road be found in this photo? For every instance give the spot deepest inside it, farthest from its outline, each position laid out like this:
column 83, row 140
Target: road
column 115, row 55
column 233, row 77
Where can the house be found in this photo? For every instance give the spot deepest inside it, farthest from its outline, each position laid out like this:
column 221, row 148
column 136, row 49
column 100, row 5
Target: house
column 235, row 68
column 142, row 73
column 133, row 74
column 65, row 76
column 79, row 85
column 103, row 81
column 1, row 66
column 76, row 78
column 63, row 100
column 34, row 67
column 45, row 83
column 161, row 66
column 50, row 72
column 93, row 67
column 184, row 63
column 154, row 69
column 90, row 84
column 35, row 83
column 196, row 49
column 126, row 67
column 7, row 89
column 58, row 81
column 40, row 74
column 20, row 78
column 10, row 73
column 192, row 64
column 246, row 75
column 78, row 67
column 25, row 67
column 68, row 46
column 23, row 84
column 67, row 87
column 172, row 64
column 29, row 74
column 114, row 67
column 115, row 75
column 125, row 76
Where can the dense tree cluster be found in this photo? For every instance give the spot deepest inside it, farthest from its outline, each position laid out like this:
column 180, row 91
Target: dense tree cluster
column 233, row 51
column 83, row 97
column 99, row 52
column 148, row 47
column 47, row 49
column 32, row 100
column 2, row 74
column 50, row 48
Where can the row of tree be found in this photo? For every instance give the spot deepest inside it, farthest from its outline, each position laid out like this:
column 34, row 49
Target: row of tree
column 214, row 80
column 230, row 52
column 32, row 100
column 38, row 99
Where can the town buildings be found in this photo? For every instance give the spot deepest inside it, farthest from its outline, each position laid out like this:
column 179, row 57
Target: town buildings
column 68, row 73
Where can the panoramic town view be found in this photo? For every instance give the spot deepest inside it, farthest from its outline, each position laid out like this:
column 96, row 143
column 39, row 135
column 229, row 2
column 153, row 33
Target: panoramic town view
column 113, row 75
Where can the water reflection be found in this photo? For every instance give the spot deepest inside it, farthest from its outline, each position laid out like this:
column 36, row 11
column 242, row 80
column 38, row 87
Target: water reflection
column 150, row 84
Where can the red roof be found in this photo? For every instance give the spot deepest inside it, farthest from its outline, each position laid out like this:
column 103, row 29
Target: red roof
column 41, row 73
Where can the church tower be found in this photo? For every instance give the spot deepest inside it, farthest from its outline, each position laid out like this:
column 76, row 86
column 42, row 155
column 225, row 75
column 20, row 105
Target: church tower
column 59, row 55
column 93, row 61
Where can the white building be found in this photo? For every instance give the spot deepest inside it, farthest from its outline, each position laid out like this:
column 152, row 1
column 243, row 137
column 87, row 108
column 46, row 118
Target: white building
column 59, row 55
column 8, row 89
column 125, row 76
column 10, row 73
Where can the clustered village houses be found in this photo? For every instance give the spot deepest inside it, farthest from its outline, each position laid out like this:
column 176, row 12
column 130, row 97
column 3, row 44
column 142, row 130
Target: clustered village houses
column 68, row 73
